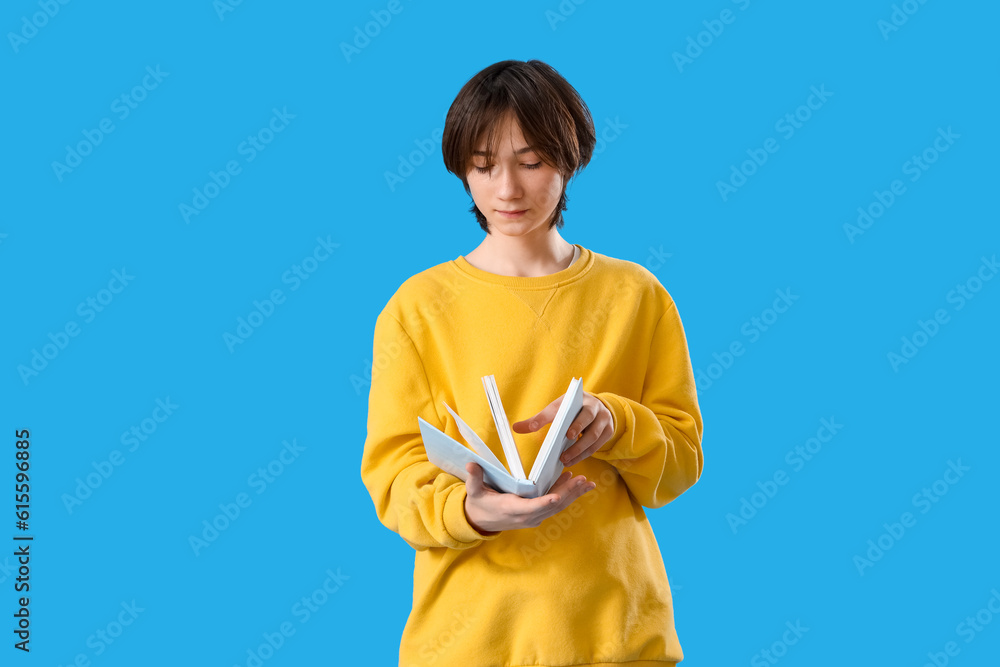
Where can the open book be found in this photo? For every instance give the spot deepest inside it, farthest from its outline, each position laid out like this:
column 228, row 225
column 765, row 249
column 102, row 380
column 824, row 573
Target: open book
column 451, row 456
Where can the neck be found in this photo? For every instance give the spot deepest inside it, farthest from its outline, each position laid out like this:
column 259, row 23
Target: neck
column 523, row 256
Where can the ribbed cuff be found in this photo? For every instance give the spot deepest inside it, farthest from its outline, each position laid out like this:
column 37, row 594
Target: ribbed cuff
column 617, row 418
column 455, row 521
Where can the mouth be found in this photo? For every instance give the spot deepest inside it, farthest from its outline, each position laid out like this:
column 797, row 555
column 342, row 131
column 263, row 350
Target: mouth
column 512, row 214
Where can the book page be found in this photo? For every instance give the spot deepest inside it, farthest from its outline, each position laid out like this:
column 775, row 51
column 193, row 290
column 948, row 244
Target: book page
column 451, row 456
column 548, row 466
column 474, row 440
column 503, row 428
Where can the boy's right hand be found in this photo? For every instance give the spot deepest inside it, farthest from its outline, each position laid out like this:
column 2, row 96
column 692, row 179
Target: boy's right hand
column 490, row 511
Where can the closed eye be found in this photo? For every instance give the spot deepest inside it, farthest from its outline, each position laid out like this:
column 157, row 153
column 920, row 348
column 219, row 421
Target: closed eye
column 486, row 170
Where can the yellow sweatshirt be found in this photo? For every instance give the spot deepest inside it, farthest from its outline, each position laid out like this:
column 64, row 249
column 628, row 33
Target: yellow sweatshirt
column 588, row 585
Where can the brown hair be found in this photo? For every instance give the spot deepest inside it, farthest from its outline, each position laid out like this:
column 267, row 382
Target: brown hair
column 552, row 116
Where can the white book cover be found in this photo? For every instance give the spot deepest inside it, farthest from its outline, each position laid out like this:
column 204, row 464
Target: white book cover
column 451, row 456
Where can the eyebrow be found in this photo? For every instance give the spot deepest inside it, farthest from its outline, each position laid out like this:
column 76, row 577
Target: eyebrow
column 519, row 151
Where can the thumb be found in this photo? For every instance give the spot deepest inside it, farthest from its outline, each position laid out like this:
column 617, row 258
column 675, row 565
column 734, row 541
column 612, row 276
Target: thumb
column 474, row 484
column 532, row 424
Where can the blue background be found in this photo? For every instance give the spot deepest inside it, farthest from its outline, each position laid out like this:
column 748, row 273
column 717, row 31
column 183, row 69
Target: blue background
column 653, row 185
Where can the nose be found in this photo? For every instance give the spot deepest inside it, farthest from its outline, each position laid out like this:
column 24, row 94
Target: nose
column 508, row 184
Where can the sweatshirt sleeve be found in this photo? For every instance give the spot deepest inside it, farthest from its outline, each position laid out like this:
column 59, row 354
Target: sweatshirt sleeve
column 656, row 445
column 412, row 496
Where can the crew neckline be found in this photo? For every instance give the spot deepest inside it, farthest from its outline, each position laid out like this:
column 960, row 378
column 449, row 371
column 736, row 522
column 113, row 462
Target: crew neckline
column 572, row 272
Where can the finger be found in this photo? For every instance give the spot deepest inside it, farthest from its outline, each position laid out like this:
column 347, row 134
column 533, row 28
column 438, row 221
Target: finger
column 586, row 445
column 532, row 424
column 569, row 490
column 570, row 454
column 575, row 487
column 590, row 434
column 584, row 454
column 554, row 495
column 582, row 421
column 568, row 484
column 474, row 484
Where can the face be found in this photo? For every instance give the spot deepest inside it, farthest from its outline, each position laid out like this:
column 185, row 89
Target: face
column 518, row 193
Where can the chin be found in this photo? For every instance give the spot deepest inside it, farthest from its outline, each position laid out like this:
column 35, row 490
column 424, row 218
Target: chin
column 512, row 230
column 514, row 227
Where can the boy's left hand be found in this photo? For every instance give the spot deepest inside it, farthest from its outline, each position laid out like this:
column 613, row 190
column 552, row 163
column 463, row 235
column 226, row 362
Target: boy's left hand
column 593, row 426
